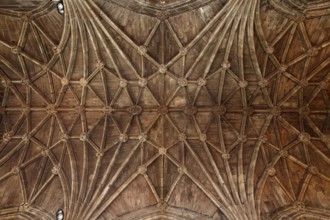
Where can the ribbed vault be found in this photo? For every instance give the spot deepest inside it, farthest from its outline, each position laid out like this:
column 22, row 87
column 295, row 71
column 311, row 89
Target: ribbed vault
column 166, row 110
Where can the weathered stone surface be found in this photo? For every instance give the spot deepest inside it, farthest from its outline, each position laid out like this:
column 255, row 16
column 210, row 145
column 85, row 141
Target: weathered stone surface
column 165, row 109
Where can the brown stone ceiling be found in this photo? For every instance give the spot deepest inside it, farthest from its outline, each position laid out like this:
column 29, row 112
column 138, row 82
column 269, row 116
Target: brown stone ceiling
column 166, row 110
column 162, row 7
column 19, row 5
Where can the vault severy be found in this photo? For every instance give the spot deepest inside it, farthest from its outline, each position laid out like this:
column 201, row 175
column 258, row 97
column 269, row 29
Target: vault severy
column 159, row 7
column 18, row 5
column 211, row 118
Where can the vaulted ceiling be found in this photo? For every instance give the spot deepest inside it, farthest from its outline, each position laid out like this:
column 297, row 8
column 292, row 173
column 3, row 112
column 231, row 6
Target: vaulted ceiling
column 149, row 109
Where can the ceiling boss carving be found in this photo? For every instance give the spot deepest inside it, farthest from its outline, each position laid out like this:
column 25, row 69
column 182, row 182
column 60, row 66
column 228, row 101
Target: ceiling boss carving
column 165, row 110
